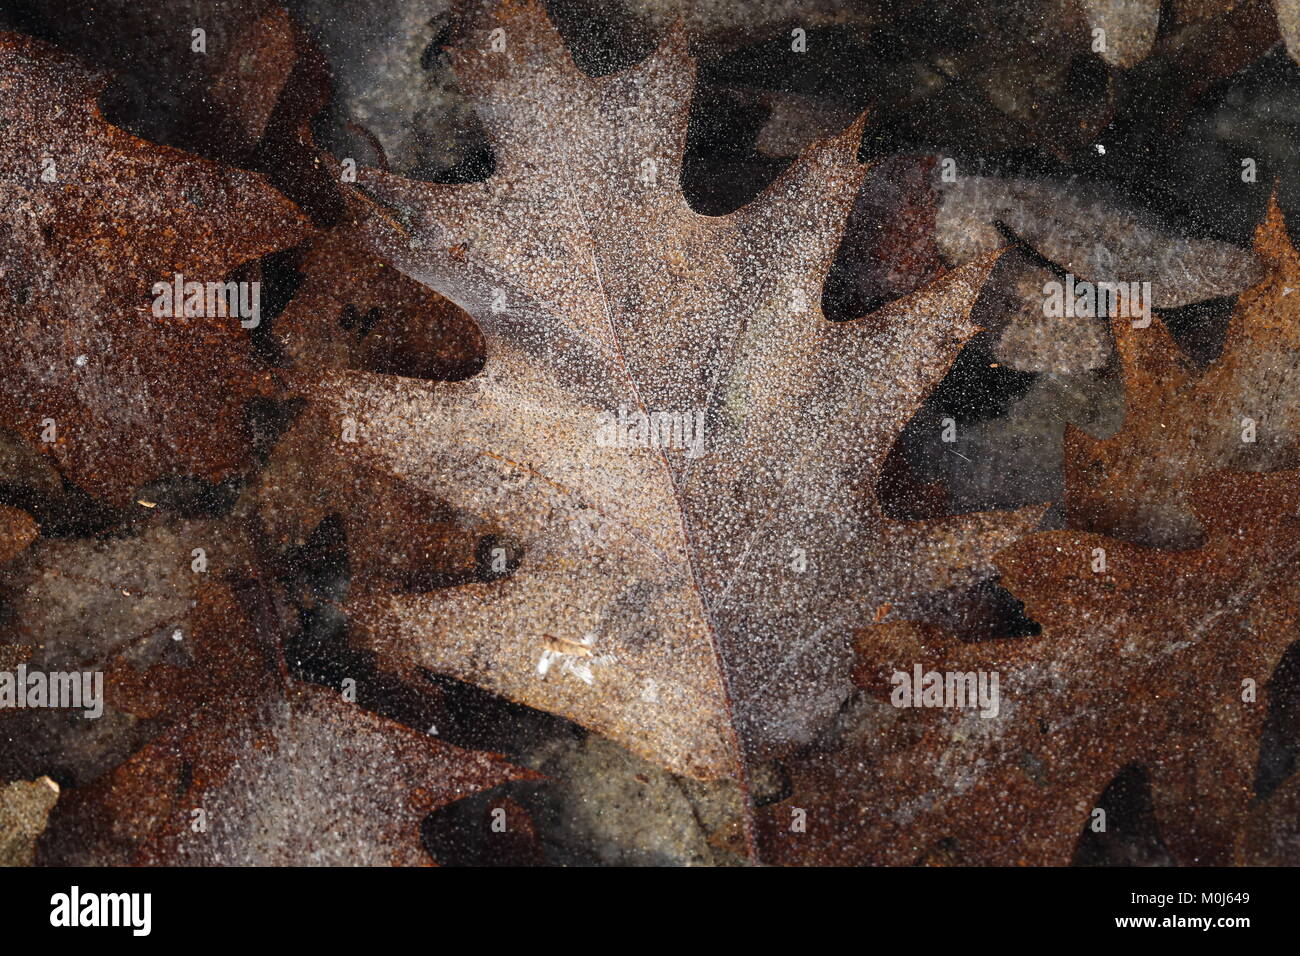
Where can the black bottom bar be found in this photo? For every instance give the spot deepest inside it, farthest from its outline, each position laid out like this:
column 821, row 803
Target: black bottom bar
column 923, row 906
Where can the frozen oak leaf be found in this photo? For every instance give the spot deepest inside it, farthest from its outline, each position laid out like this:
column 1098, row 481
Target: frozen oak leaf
column 298, row 778
column 692, row 602
column 1162, row 660
column 93, row 218
column 216, row 103
column 1243, row 412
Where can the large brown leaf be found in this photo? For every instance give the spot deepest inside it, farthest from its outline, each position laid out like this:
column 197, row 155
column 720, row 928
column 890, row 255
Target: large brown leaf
column 133, row 397
column 194, row 685
column 663, row 597
column 217, row 103
column 1143, row 663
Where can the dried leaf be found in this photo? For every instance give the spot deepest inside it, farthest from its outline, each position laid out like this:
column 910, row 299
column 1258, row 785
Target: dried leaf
column 166, row 638
column 1091, row 238
column 132, row 397
column 299, row 779
column 1181, row 424
column 397, row 535
column 1142, row 663
column 216, row 102
column 889, row 247
column 660, row 599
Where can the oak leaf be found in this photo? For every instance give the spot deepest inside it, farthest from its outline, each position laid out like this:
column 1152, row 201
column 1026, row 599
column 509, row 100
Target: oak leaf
column 352, row 311
column 166, row 614
column 217, row 102
column 1243, row 412
column 294, row 777
column 693, row 603
column 396, row 535
column 1145, row 662
column 94, row 218
column 197, row 715
column 1089, row 236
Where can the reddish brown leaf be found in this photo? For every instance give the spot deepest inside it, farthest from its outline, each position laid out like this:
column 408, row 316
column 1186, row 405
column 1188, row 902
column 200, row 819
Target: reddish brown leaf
column 166, row 637
column 354, row 311
column 132, row 397
column 216, row 101
column 300, row 779
column 1181, row 423
column 1142, row 663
